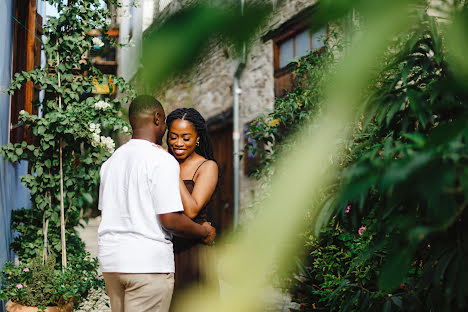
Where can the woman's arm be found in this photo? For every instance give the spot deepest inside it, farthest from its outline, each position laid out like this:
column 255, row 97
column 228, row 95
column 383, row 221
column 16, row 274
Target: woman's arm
column 204, row 188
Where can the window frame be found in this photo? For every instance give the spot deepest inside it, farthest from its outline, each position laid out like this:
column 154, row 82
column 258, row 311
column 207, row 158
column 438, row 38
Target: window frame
column 292, row 32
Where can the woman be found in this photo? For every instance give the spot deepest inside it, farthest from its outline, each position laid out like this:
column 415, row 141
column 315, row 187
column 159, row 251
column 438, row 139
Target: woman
column 188, row 142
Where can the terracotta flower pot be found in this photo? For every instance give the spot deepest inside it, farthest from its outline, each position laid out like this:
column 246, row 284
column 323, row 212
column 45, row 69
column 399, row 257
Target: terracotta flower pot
column 16, row 307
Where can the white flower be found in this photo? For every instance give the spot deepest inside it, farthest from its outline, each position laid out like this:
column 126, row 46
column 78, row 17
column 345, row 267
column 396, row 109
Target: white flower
column 102, row 105
column 95, row 139
column 97, row 42
column 108, row 143
column 125, row 129
column 22, row 112
column 95, row 128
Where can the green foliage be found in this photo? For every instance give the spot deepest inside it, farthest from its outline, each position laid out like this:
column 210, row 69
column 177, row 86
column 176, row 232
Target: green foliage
column 332, row 279
column 296, row 108
column 403, row 173
column 85, row 127
column 75, row 128
column 414, row 172
column 40, row 284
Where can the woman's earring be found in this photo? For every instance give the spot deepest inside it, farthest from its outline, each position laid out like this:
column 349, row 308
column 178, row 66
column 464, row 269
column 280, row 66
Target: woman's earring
column 197, row 144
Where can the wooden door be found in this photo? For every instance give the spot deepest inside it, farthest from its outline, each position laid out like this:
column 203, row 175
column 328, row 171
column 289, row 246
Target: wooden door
column 221, row 212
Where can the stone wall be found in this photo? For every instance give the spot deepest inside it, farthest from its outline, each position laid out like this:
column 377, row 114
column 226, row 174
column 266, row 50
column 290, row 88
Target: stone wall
column 208, row 87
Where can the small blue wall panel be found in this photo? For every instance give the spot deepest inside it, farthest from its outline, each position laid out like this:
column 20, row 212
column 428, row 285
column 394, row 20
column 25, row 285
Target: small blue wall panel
column 12, row 194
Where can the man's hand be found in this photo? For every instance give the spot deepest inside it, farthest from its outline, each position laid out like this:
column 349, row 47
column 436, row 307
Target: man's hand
column 209, row 238
column 180, row 225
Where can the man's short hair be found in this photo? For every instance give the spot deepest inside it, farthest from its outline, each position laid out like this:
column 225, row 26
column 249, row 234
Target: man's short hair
column 142, row 105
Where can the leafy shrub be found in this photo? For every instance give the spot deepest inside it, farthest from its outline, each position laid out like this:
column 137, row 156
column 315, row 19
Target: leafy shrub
column 40, row 284
column 65, row 148
column 413, row 176
column 292, row 111
column 66, row 145
column 403, row 173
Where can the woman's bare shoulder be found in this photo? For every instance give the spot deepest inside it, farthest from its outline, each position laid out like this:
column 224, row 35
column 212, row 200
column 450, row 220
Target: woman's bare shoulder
column 208, row 167
column 208, row 163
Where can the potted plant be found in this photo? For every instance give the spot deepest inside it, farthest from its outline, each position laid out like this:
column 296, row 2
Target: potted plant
column 65, row 147
column 40, row 286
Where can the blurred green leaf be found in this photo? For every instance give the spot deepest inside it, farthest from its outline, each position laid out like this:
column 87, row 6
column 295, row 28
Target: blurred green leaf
column 395, row 269
column 398, row 171
column 445, row 132
column 417, row 138
column 174, row 46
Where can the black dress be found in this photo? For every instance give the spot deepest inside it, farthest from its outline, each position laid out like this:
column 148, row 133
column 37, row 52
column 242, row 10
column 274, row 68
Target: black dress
column 194, row 261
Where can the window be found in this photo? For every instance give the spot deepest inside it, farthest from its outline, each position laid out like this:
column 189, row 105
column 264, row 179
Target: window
column 300, row 44
column 296, row 42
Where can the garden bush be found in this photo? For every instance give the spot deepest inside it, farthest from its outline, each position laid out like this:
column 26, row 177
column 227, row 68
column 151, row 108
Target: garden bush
column 403, row 174
column 65, row 146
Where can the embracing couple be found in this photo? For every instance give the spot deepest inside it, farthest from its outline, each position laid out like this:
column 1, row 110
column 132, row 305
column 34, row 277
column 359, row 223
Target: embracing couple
column 150, row 200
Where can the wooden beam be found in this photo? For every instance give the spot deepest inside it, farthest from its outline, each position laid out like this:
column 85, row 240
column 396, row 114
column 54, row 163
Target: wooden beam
column 30, row 49
column 19, row 64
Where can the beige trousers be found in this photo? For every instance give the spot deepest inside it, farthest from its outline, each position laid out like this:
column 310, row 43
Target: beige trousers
column 131, row 292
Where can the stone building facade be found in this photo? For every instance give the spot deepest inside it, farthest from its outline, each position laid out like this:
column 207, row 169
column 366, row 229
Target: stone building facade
column 209, row 88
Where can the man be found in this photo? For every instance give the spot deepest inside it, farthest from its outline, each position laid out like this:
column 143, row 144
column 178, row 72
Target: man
column 140, row 203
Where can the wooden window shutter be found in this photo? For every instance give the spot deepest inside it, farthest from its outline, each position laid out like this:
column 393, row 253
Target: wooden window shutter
column 25, row 58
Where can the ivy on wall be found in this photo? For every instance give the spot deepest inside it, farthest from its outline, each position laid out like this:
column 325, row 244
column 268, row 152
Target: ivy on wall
column 66, row 145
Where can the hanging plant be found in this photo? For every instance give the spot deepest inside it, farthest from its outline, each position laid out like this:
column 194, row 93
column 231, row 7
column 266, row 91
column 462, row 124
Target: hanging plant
column 66, row 144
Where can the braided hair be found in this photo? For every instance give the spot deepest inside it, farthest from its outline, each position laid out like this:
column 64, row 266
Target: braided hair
column 204, row 148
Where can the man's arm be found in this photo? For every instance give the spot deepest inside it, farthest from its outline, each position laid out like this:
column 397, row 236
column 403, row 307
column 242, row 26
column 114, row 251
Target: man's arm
column 180, row 225
column 168, row 204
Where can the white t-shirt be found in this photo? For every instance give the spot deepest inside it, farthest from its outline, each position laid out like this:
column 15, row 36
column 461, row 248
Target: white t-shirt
column 138, row 182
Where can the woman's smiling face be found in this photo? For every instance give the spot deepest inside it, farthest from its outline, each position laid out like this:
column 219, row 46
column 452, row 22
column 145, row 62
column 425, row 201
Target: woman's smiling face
column 182, row 139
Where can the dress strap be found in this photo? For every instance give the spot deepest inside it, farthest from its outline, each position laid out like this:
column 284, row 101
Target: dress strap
column 198, row 168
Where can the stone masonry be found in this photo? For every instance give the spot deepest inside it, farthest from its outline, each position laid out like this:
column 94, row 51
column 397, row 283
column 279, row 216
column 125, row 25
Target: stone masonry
column 208, row 88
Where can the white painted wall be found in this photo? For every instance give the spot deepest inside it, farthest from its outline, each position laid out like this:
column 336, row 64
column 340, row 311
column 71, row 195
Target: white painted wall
column 132, row 22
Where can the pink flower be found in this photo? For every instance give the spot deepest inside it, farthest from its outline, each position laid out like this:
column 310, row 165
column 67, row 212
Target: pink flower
column 348, row 209
column 402, row 286
column 19, row 286
column 98, row 277
column 86, row 249
column 26, row 270
column 361, row 230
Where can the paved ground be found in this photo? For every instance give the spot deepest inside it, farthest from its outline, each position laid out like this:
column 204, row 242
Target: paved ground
column 98, row 301
column 275, row 301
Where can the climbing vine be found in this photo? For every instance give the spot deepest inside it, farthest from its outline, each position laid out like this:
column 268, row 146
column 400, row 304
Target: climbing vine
column 74, row 134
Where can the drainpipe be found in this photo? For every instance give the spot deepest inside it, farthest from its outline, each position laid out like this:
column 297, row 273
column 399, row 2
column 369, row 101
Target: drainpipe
column 236, row 91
